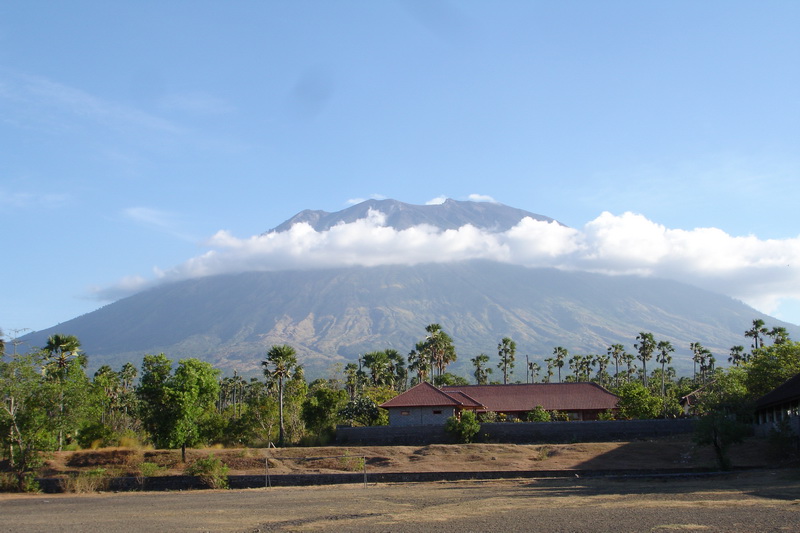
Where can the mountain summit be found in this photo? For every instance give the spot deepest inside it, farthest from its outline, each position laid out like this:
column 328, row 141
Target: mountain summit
column 451, row 214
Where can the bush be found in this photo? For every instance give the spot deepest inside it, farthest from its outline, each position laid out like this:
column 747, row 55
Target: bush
column 90, row 481
column 538, row 414
column 464, row 428
column 212, row 472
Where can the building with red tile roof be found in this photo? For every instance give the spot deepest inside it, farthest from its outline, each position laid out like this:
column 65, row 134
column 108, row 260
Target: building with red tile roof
column 425, row 404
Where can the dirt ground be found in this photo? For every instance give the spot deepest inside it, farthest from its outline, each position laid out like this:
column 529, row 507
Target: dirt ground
column 672, row 452
column 755, row 501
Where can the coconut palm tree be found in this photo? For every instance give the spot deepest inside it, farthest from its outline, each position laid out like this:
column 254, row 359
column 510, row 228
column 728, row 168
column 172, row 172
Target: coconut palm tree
column 280, row 365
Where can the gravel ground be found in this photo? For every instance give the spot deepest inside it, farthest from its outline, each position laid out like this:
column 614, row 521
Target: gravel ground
column 759, row 502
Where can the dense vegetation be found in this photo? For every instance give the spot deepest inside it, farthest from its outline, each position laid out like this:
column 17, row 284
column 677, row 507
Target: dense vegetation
column 49, row 402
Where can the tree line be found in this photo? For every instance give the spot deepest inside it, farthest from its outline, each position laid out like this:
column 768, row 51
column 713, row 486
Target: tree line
column 50, row 403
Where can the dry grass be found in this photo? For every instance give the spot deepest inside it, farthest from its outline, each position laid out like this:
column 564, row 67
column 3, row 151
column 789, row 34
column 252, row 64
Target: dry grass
column 671, row 452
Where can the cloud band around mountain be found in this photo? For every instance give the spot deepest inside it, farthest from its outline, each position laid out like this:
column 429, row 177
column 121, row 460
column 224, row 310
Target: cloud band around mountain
column 761, row 273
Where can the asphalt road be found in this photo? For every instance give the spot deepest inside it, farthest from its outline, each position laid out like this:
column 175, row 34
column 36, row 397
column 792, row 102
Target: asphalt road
column 755, row 502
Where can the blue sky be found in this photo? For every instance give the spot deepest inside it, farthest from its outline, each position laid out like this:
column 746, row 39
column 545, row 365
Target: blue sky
column 138, row 139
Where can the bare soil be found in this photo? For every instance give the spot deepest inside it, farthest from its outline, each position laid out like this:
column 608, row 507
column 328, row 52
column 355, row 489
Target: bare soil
column 665, row 453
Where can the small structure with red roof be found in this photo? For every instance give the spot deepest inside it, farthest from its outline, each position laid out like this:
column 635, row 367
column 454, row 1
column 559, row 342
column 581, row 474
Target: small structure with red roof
column 425, row 404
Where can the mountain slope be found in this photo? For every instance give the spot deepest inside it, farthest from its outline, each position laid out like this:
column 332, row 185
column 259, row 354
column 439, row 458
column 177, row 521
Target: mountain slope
column 337, row 314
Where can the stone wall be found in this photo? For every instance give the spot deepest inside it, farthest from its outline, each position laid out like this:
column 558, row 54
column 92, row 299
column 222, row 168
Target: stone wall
column 519, row 432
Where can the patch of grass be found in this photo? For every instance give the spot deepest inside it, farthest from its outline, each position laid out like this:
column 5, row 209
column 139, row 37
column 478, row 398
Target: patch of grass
column 93, row 480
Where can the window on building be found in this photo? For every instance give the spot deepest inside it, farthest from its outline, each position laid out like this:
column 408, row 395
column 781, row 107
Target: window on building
column 405, row 413
column 437, row 411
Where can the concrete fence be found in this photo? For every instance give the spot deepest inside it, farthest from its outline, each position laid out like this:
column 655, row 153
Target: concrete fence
column 519, row 432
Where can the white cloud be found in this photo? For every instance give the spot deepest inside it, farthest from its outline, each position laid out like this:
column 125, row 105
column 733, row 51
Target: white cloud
column 763, row 273
column 436, row 201
column 354, row 201
column 481, row 198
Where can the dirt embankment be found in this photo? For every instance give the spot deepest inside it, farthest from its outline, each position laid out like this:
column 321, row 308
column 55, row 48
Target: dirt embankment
column 666, row 453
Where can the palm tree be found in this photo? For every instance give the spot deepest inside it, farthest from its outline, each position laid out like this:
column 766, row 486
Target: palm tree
column 664, row 358
column 550, row 364
column 506, row 350
column 646, row 345
column 60, row 352
column 280, row 364
column 616, row 353
column 379, row 367
column 561, row 355
column 534, row 369
column 737, row 355
column 481, row 371
column 602, row 365
column 439, row 347
column 397, row 368
column 779, row 335
column 756, row 332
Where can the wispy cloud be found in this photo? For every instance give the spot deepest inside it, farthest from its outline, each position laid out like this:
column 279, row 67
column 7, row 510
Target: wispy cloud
column 354, row 201
column 158, row 220
column 763, row 273
column 40, row 102
column 26, row 199
column 481, row 198
column 196, row 103
column 436, row 201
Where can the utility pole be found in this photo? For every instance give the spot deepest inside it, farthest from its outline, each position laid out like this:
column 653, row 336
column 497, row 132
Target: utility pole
column 14, row 341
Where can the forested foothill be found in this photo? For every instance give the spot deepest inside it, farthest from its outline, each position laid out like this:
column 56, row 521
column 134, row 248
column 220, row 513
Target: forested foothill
column 49, row 402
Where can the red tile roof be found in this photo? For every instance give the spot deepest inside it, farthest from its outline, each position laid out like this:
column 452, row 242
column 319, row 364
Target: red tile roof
column 509, row 398
column 426, row 395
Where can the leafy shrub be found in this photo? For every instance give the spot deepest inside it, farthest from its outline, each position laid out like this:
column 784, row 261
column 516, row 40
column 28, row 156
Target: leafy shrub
column 608, row 414
column 538, row 414
column 212, row 472
column 148, row 469
column 464, row 428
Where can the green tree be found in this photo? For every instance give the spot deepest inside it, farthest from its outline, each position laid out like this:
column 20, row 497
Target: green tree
column 769, row 367
column 172, row 405
column 26, row 427
column 191, row 393
column 64, row 366
column 637, row 402
column 645, row 345
column 463, row 427
column 380, row 368
column 481, row 370
column 506, row 350
column 560, row 356
column 321, row 409
column 280, row 365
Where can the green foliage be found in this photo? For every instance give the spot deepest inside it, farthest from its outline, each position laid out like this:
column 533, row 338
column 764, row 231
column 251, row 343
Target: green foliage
column 148, row 469
column 361, row 411
column 465, row 427
column 538, row 414
column 321, row 408
column 720, row 431
column 782, row 441
column 608, row 414
column 770, row 366
column 637, row 402
column 212, row 472
column 172, row 406
column 449, row 379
